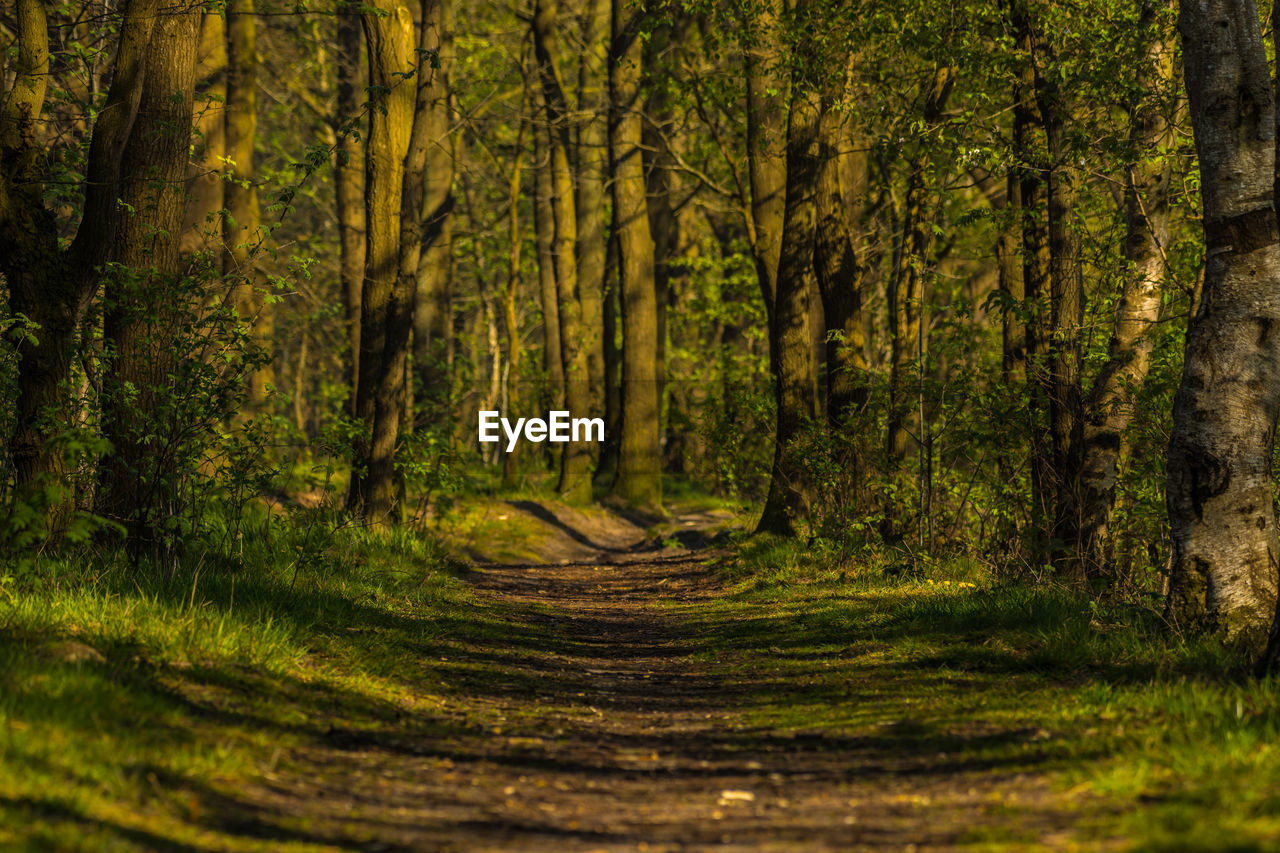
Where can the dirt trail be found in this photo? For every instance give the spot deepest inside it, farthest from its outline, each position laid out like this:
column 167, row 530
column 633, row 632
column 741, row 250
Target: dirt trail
column 599, row 726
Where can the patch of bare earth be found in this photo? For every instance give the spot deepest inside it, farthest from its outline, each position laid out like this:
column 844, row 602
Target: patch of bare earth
column 602, row 729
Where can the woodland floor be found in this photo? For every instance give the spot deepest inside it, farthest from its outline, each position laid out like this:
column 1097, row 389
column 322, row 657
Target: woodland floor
column 593, row 684
column 608, row 719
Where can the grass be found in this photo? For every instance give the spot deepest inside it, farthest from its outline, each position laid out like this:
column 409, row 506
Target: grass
column 1165, row 741
column 136, row 703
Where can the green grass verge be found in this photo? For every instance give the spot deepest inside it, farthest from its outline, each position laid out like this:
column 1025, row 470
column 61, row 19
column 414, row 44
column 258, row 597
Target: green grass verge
column 1166, row 742
column 136, row 702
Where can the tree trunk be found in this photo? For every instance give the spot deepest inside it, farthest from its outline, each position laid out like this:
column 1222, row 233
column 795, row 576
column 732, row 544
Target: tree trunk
column 1220, row 491
column 512, row 398
column 767, row 85
column 349, row 183
column 390, row 46
column 607, row 469
column 433, row 309
column 544, row 235
column 791, row 341
column 591, row 162
column 206, row 187
column 639, row 480
column 839, row 274
column 575, row 459
column 51, row 287
column 242, row 228
column 137, row 480
column 1066, row 318
column 1013, row 333
column 839, row 277
column 1030, row 165
column 1109, row 408
column 906, row 301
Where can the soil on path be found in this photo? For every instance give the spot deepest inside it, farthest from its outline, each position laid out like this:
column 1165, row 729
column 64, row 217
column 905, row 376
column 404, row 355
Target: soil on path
column 601, row 723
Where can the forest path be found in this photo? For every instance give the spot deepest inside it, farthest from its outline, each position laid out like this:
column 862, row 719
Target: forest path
column 609, row 716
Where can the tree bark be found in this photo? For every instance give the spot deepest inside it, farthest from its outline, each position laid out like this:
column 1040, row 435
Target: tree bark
column 1220, row 492
column 349, row 184
column 512, row 398
column 544, row 236
column 607, row 468
column 433, row 309
column 1066, row 318
column 906, row 301
column 575, row 458
column 791, row 341
column 390, row 46
column 839, row 274
column 591, row 162
column 242, row 228
column 1030, row 164
column 206, row 187
column 639, row 480
column 1109, row 408
column 137, row 484
column 767, row 86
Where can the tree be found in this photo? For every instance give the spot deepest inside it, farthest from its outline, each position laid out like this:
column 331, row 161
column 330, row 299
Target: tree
column 907, row 299
column 136, row 485
column 206, row 181
column 639, row 480
column 574, row 483
column 1109, row 407
column 242, row 227
column 138, row 156
column 790, row 337
column 349, row 184
column 433, row 308
column 591, row 162
column 1220, row 491
column 388, row 28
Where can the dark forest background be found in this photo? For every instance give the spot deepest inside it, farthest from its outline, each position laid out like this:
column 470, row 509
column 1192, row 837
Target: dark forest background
column 895, row 275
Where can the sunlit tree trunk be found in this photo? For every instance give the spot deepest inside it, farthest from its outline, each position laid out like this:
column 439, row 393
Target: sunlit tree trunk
column 591, row 164
column 433, row 310
column 1220, row 491
column 658, row 57
column 206, row 186
column 639, row 480
column 1109, row 408
column 242, row 228
column 512, row 396
column 390, row 47
column 839, row 276
column 349, row 183
column 767, row 85
column 544, row 228
column 575, row 459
